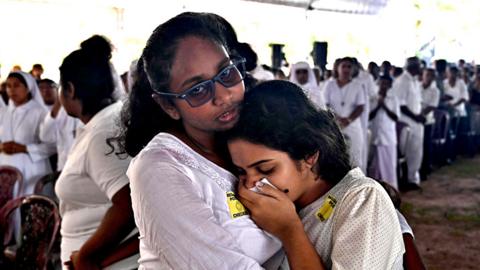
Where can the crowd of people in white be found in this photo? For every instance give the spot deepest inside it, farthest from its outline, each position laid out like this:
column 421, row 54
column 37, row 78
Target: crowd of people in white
column 386, row 114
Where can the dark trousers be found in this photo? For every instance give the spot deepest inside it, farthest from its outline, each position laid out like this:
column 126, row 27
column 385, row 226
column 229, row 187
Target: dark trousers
column 426, row 167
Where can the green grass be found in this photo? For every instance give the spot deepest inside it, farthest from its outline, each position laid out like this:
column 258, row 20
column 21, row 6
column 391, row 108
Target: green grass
column 458, row 217
column 462, row 168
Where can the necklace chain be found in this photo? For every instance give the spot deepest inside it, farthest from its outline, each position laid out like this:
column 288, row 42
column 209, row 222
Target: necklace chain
column 198, row 145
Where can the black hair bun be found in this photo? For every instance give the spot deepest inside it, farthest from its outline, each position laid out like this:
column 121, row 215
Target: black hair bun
column 98, row 47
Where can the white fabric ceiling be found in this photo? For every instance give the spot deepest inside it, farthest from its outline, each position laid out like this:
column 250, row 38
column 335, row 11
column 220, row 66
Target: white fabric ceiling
column 344, row 6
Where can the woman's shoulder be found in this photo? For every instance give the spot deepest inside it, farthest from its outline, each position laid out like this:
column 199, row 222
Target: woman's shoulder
column 355, row 182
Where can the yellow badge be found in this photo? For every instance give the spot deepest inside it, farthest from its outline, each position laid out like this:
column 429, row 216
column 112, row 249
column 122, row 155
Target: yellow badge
column 327, row 208
column 236, row 207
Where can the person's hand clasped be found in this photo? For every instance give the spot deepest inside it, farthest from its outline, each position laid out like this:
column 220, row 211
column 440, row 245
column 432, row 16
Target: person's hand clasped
column 271, row 209
column 12, row 147
column 343, row 122
column 79, row 262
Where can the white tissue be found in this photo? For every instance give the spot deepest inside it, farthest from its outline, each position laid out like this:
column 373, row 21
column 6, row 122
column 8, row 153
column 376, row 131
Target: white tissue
column 264, row 181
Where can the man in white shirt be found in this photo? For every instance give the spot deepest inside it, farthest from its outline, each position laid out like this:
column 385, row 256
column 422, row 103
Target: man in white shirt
column 430, row 101
column 383, row 117
column 406, row 89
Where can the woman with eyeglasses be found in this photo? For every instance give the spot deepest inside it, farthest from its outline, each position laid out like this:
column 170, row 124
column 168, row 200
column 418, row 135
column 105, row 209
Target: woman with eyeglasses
column 189, row 87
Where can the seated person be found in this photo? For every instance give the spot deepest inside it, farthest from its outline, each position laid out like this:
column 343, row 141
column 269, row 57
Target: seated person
column 345, row 220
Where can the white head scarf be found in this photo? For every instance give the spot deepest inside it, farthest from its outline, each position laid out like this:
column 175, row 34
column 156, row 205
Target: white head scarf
column 312, row 81
column 32, row 87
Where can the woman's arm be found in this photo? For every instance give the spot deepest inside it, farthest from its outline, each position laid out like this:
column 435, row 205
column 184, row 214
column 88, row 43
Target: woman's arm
column 178, row 222
column 389, row 112
column 12, row 147
column 373, row 113
column 412, row 259
column 274, row 212
column 117, row 223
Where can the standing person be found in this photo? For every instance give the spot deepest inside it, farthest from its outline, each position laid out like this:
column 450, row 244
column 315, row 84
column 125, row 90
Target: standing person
column 93, row 189
column 456, row 90
column 345, row 220
column 383, row 117
column 430, row 101
column 347, row 100
column 369, row 90
column 385, row 68
column 441, row 69
column 374, row 70
column 302, row 75
column 188, row 89
column 409, row 96
column 20, row 144
column 58, row 127
column 37, row 71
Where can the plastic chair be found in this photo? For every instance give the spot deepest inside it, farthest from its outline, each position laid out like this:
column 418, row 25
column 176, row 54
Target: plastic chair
column 9, row 177
column 40, row 223
column 45, row 186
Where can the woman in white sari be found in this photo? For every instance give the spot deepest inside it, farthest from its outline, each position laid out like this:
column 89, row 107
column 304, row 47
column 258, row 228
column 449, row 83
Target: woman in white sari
column 20, row 145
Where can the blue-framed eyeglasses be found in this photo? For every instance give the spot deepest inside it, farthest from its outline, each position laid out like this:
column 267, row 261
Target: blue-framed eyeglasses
column 203, row 92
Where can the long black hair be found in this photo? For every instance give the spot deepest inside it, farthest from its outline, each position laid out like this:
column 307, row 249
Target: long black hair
column 277, row 114
column 88, row 69
column 142, row 118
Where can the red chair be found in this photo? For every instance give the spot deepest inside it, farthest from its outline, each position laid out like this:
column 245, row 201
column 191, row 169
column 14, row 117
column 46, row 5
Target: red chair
column 9, row 176
column 40, row 223
column 46, row 186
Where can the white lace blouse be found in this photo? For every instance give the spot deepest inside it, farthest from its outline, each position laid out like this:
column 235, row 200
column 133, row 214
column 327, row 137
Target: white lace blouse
column 187, row 215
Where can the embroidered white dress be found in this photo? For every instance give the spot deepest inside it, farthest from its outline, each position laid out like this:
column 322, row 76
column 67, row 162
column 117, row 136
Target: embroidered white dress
column 182, row 210
column 361, row 231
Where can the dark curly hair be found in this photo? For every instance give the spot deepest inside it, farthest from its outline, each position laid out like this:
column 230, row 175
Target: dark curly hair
column 142, row 118
column 277, row 114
